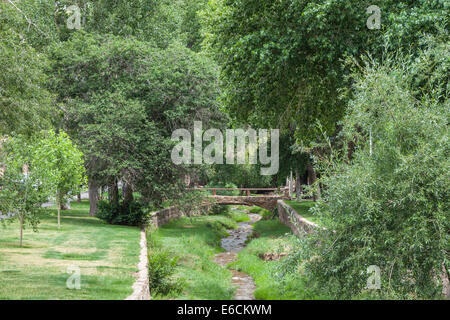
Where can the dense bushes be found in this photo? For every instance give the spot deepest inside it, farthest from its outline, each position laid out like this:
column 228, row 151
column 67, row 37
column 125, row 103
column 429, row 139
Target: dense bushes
column 389, row 206
column 131, row 214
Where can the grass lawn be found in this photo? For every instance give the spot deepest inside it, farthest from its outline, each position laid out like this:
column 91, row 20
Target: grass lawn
column 195, row 241
column 272, row 237
column 107, row 256
column 238, row 215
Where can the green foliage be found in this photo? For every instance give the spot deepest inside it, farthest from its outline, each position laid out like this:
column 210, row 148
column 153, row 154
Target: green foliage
column 132, row 97
column 224, row 192
column 22, row 195
column 266, row 214
column 131, row 214
column 59, row 164
column 219, row 209
column 283, row 62
column 242, row 175
column 192, row 202
column 25, row 105
column 388, row 207
column 161, row 268
column 237, row 214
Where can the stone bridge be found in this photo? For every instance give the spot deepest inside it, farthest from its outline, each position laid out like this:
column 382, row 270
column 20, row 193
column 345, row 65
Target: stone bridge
column 268, row 202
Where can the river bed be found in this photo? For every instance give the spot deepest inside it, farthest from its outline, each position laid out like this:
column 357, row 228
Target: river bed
column 234, row 243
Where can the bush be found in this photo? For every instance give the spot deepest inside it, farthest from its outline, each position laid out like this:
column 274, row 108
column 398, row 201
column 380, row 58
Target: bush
column 131, row 214
column 161, row 268
column 219, row 209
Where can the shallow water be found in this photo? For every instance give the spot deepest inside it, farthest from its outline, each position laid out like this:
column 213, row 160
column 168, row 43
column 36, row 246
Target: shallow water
column 234, row 243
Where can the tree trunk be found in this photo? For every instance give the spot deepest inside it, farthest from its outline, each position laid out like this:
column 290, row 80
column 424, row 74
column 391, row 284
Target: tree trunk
column 312, row 179
column 127, row 193
column 21, row 229
column 298, row 185
column 93, row 197
column 58, row 205
column 79, row 197
column 445, row 283
column 291, row 187
column 102, row 191
column 113, row 193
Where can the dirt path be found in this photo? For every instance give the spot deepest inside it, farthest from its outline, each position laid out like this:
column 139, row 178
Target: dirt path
column 233, row 244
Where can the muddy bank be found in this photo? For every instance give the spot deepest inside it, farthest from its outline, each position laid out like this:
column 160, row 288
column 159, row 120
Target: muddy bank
column 234, row 243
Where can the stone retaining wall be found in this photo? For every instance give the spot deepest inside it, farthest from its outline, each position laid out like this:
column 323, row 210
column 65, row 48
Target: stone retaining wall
column 293, row 220
column 141, row 290
column 160, row 218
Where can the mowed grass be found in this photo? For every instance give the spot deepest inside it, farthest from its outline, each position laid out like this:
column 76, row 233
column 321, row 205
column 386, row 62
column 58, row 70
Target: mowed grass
column 195, row 241
column 272, row 237
column 106, row 255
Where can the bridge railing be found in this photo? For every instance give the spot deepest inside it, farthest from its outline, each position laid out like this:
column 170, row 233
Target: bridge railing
column 247, row 190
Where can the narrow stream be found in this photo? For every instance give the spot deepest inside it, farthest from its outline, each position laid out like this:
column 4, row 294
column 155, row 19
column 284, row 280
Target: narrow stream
column 233, row 244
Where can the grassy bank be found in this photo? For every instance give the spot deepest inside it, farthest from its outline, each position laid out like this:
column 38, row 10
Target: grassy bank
column 106, row 255
column 271, row 236
column 195, row 241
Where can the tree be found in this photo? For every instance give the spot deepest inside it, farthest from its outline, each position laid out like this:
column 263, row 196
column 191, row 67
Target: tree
column 21, row 194
column 389, row 206
column 59, row 164
column 124, row 98
column 285, row 63
column 25, row 105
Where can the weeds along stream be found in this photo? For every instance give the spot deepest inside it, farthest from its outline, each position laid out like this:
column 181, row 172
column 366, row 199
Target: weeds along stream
column 231, row 255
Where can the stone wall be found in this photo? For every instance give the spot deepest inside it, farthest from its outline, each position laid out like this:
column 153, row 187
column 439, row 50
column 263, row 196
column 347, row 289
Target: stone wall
column 141, row 290
column 160, row 218
column 293, row 220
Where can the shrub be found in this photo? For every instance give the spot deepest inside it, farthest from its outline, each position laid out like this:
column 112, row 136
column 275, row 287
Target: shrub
column 131, row 214
column 219, row 209
column 161, row 268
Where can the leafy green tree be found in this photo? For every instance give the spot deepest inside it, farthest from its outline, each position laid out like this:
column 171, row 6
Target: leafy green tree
column 284, row 62
column 25, row 105
column 21, row 194
column 59, row 164
column 123, row 100
column 388, row 207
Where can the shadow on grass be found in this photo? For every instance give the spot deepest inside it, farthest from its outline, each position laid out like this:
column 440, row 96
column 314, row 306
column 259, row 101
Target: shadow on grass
column 96, row 255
